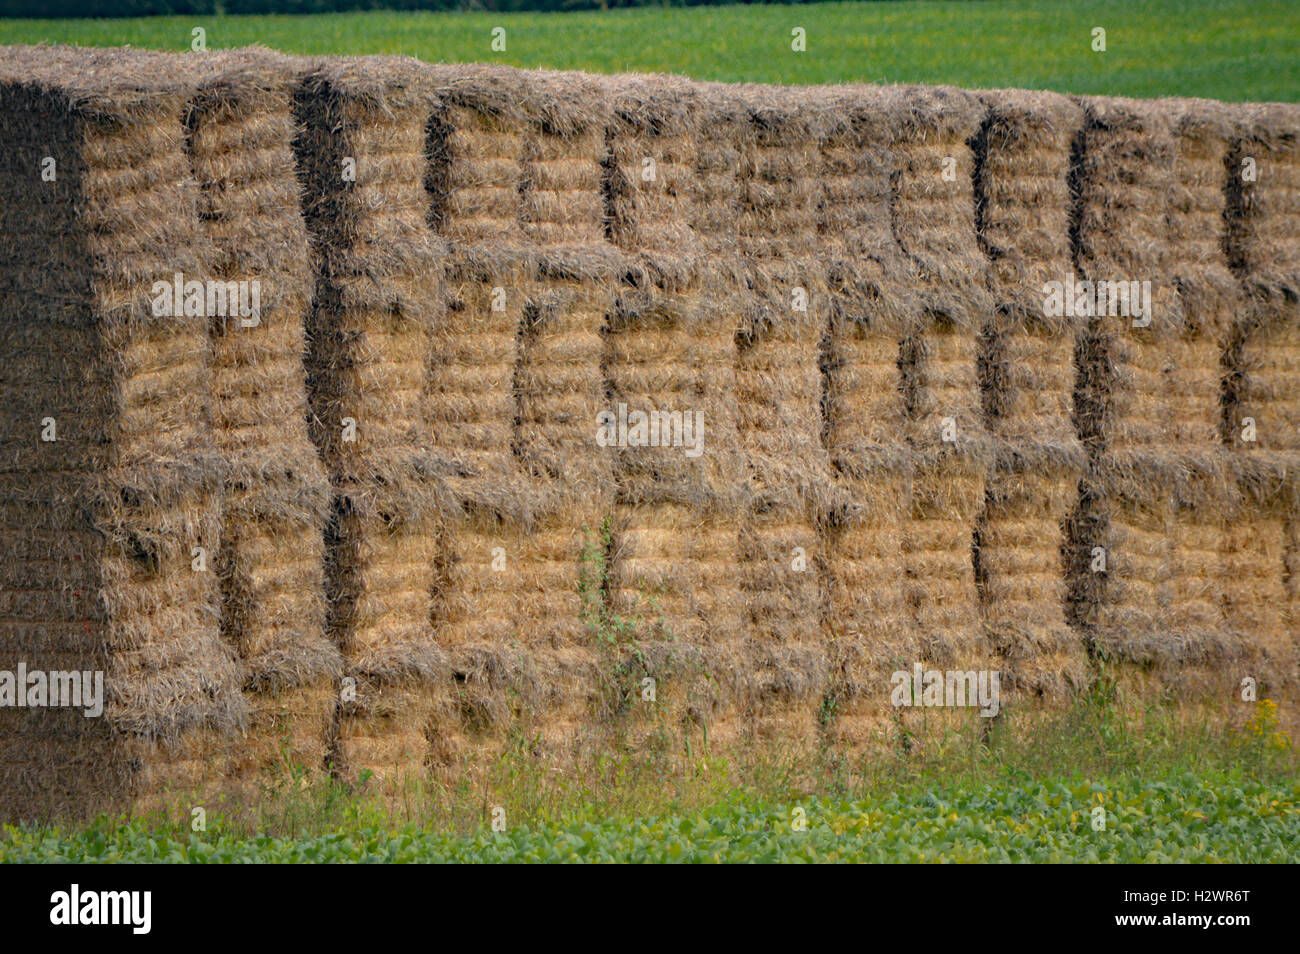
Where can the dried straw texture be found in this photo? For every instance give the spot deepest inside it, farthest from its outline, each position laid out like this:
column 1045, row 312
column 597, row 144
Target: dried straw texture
column 652, row 181
column 933, row 219
column 675, row 535
column 472, row 378
column 1022, row 214
column 1148, row 396
column 872, row 630
column 476, row 144
column 379, row 303
column 1126, row 158
column 389, row 730
column 674, row 610
column 564, row 161
column 784, row 310
column 1022, row 203
column 780, row 387
column 1263, row 217
column 1263, row 395
column 361, row 156
column 1022, row 581
column 100, row 522
column 872, row 298
column 240, row 134
column 1266, row 202
column 512, row 608
column 381, row 581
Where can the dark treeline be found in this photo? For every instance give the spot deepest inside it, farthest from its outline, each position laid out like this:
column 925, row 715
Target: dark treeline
column 142, row 8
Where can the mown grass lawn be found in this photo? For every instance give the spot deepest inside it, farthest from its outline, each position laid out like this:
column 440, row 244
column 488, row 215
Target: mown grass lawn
column 1185, row 819
column 1223, row 49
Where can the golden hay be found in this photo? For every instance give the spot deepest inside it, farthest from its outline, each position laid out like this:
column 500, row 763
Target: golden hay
column 100, row 523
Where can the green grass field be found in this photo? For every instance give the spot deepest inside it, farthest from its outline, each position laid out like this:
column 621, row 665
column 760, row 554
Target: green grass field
column 1167, row 791
column 1223, row 49
column 1187, row 819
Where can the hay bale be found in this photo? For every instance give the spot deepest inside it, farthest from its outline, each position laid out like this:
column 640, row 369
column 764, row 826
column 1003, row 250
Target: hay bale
column 378, row 290
column 1264, row 357
column 1150, row 396
column 565, row 161
column 1022, row 202
column 1022, row 215
column 472, row 377
column 652, row 182
column 674, row 610
column 1022, row 580
column 476, row 147
column 98, row 525
column 381, row 562
column 239, row 138
column 871, row 281
column 933, row 218
column 872, row 630
column 373, row 334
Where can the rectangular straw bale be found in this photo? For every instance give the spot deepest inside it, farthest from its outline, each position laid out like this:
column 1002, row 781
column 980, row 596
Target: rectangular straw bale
column 565, row 160
column 378, row 295
column 933, row 218
column 1127, row 158
column 1210, row 295
column 675, row 537
column 83, row 254
column 240, row 133
column 100, row 523
column 1263, row 216
column 872, row 632
column 1022, row 579
column 785, row 309
column 652, row 182
column 515, row 609
column 782, row 570
column 388, row 733
column 947, row 494
column 477, row 143
column 871, row 281
column 1264, row 357
column 1133, row 594
column 675, row 606
column 382, row 579
column 1264, row 204
column 1022, row 214
column 559, row 383
column 472, row 374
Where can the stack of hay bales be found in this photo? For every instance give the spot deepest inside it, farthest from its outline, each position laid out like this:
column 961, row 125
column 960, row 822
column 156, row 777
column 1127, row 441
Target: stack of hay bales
column 1023, row 216
column 239, row 137
column 372, row 329
column 108, row 478
column 670, row 348
column 1264, row 562
column 520, row 362
column 934, row 222
column 1148, row 405
column 1208, row 514
column 784, row 316
column 872, row 310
